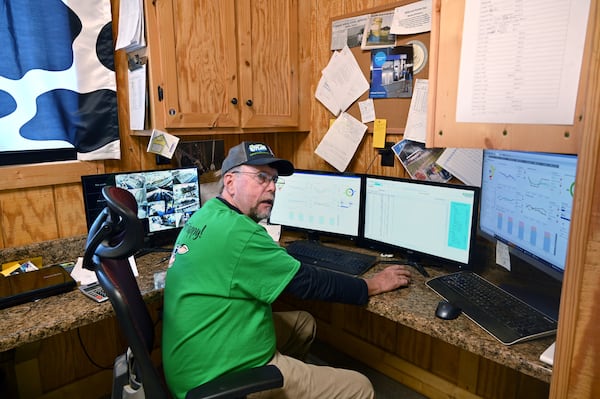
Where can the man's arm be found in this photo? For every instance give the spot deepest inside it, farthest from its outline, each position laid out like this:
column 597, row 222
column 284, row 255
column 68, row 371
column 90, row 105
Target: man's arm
column 313, row 283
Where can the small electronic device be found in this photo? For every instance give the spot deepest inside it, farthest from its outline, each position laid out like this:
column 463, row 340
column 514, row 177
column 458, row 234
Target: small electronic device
column 31, row 286
column 166, row 199
column 423, row 220
column 94, row 291
column 447, row 311
column 317, row 202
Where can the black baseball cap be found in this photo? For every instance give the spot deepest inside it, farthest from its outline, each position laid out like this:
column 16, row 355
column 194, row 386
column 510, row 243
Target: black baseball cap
column 253, row 153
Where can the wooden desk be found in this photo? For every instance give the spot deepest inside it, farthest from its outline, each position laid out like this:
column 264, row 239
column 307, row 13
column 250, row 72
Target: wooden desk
column 396, row 333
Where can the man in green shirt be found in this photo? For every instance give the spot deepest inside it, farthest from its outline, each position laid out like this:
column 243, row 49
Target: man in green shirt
column 225, row 273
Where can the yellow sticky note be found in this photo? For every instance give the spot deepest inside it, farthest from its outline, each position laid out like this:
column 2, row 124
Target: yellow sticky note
column 379, row 129
column 331, row 121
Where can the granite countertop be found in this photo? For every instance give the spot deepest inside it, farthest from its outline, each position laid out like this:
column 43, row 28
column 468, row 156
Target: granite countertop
column 30, row 322
column 413, row 307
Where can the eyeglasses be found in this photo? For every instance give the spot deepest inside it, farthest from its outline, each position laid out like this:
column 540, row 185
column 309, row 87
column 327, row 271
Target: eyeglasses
column 261, row 177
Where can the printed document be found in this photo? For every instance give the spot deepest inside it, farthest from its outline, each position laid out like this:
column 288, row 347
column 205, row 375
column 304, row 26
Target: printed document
column 520, row 61
column 464, row 163
column 341, row 141
column 342, row 82
column 416, row 123
column 412, row 18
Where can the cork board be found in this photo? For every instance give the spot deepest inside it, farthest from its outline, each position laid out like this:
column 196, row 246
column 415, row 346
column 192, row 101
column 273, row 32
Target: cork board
column 394, row 110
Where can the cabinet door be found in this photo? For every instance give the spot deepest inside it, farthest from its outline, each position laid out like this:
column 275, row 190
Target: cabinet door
column 199, row 63
column 269, row 51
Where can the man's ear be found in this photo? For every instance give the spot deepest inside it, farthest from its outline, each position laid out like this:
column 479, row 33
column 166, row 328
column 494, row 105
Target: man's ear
column 228, row 181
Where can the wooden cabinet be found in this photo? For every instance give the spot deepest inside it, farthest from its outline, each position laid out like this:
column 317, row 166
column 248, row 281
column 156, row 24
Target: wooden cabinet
column 224, row 63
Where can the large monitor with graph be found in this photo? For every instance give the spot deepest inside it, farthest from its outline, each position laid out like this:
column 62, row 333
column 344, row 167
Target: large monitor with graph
column 526, row 203
column 424, row 221
column 318, row 202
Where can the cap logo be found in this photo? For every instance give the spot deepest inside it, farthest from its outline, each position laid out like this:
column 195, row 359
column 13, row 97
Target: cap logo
column 259, row 148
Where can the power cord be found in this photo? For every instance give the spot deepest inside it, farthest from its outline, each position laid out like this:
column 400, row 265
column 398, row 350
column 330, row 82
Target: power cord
column 371, row 163
column 88, row 355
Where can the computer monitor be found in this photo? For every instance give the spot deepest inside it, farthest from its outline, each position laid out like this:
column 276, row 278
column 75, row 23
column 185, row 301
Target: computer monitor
column 424, row 221
column 526, row 203
column 318, row 202
column 166, row 199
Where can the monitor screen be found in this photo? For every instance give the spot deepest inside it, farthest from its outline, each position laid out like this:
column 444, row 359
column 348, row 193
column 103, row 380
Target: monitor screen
column 526, row 201
column 166, row 198
column 422, row 219
column 318, row 202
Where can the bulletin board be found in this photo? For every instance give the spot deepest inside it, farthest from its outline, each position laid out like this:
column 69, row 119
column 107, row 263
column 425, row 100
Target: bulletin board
column 394, row 110
column 444, row 131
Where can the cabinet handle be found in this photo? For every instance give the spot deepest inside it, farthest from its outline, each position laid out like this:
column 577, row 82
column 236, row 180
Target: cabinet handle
column 234, row 101
column 249, row 103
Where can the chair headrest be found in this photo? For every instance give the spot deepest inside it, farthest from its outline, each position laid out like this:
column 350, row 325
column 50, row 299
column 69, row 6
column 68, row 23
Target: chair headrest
column 117, row 233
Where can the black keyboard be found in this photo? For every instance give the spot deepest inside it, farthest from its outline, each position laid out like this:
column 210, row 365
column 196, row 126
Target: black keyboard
column 501, row 314
column 339, row 260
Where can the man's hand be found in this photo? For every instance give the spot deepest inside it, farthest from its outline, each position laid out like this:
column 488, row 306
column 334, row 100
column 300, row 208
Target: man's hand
column 389, row 279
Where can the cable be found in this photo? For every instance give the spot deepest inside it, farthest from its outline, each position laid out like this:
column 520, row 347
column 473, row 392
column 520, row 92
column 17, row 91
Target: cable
column 88, row 355
column 371, row 164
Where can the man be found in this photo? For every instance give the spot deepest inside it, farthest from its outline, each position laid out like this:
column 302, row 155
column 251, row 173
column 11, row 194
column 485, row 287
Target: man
column 224, row 274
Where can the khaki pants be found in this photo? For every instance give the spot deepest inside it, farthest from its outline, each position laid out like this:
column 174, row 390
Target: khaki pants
column 295, row 332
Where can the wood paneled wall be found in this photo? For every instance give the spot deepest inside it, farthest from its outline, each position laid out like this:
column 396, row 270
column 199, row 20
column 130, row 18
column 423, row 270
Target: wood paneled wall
column 44, row 202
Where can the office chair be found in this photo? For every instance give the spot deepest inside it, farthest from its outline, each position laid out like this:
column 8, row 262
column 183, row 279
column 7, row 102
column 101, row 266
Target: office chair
column 115, row 235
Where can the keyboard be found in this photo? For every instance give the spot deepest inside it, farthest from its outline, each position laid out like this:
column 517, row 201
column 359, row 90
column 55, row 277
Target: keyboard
column 504, row 316
column 339, row 260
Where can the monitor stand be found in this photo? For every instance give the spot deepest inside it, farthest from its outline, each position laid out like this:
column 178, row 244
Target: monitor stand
column 313, row 236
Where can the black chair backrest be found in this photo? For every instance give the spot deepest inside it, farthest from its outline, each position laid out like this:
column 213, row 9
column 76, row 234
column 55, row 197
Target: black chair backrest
column 117, row 234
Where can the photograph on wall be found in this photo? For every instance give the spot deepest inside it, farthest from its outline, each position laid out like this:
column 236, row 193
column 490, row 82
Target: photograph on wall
column 377, row 31
column 348, row 32
column 392, row 72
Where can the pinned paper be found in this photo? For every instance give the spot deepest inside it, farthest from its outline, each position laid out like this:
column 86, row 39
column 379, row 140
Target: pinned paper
column 367, row 110
column 162, row 143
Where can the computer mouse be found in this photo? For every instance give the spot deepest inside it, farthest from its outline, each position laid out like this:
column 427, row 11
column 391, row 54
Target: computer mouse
column 447, row 311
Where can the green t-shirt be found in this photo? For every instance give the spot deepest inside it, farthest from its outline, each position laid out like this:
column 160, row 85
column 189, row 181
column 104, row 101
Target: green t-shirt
column 225, row 272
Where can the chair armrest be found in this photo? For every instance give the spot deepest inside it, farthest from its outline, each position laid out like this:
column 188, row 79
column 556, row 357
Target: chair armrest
column 238, row 384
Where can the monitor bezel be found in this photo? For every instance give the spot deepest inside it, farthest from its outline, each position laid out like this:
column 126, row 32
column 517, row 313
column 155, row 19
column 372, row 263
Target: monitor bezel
column 314, row 234
column 412, row 254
